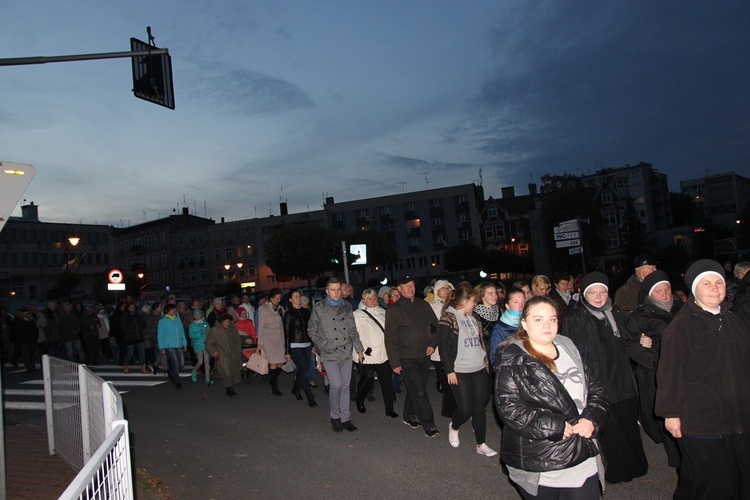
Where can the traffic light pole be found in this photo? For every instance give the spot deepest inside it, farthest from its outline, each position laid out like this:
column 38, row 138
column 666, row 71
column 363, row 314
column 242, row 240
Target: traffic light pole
column 20, row 61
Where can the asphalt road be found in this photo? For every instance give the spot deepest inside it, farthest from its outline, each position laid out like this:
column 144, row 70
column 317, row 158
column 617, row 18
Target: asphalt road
column 259, row 446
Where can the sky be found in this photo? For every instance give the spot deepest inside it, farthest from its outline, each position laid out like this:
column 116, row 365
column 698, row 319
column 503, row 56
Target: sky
column 296, row 100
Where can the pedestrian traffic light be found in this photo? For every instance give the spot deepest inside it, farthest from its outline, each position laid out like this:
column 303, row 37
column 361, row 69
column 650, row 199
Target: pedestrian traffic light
column 152, row 75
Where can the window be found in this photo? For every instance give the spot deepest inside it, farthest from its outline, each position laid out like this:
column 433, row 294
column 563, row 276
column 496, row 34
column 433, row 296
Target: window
column 164, row 259
column 409, row 206
column 435, row 260
column 412, row 241
column 437, row 221
column 606, row 197
column 228, row 253
column 436, row 203
column 423, row 261
column 612, row 241
column 339, row 217
column 492, row 211
column 410, row 263
column 362, row 212
column 609, row 218
column 412, row 224
column 217, row 254
column 462, row 199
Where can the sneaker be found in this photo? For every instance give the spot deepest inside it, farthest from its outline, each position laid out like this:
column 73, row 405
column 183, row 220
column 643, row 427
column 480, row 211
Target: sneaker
column 209, row 381
column 453, row 436
column 412, row 423
column 432, row 433
column 485, row 450
column 194, row 377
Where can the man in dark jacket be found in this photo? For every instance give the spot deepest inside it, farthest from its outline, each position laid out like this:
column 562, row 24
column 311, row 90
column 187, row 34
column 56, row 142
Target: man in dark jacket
column 25, row 334
column 410, row 339
column 627, row 296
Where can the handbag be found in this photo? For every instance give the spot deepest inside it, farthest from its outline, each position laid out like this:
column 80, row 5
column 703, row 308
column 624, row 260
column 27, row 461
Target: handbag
column 258, row 363
column 289, row 366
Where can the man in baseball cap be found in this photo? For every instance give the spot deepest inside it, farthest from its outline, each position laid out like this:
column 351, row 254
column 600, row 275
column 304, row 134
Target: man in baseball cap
column 626, row 297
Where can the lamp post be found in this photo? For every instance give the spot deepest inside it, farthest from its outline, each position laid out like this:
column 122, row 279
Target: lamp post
column 73, row 241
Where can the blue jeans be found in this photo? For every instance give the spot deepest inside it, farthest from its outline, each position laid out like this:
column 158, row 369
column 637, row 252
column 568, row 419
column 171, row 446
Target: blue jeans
column 131, row 350
column 73, row 350
column 175, row 360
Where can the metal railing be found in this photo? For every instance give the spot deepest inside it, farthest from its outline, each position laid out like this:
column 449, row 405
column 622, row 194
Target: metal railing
column 107, row 475
column 86, row 428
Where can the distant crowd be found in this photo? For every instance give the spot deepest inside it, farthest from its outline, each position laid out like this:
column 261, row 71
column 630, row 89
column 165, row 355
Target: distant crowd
column 575, row 369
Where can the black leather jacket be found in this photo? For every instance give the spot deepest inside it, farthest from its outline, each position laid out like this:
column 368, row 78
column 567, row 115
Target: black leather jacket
column 295, row 326
column 534, row 406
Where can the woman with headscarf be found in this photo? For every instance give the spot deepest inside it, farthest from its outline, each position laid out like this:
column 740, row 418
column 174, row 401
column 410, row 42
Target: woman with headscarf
column 646, row 325
column 442, row 293
column 596, row 325
column 703, row 389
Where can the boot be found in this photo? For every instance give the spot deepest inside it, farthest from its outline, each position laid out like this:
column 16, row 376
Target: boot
column 295, row 392
column 144, row 369
column 126, row 369
column 310, row 399
column 274, row 381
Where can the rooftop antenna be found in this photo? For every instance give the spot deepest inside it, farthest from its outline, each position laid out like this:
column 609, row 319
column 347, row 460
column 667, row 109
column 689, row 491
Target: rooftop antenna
column 426, row 182
column 269, row 209
column 256, row 211
column 403, row 183
column 480, row 176
column 204, row 209
column 184, row 202
column 144, row 216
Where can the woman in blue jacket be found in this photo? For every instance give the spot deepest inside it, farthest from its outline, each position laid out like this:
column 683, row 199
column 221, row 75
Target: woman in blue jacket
column 172, row 342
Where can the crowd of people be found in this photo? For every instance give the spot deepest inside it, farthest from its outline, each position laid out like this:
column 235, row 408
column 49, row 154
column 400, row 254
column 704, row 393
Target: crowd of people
column 575, row 369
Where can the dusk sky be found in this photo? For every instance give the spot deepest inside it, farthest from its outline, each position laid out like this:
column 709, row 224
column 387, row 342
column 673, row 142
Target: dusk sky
column 301, row 100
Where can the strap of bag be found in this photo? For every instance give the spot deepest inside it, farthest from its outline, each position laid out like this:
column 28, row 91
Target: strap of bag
column 373, row 318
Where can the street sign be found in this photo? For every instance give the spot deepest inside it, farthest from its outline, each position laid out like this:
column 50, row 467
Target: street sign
column 115, row 276
column 570, row 235
column 569, row 222
column 575, row 250
column 152, row 75
column 565, row 229
column 568, row 243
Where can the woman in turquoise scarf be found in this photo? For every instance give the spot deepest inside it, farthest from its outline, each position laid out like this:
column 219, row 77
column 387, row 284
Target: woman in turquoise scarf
column 508, row 322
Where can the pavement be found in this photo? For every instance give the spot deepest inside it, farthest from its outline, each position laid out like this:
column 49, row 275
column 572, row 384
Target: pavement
column 258, row 445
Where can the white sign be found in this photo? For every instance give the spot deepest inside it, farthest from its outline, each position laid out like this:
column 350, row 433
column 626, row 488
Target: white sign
column 567, row 236
column 575, row 250
column 568, row 243
column 361, row 251
column 565, row 229
column 115, row 286
column 569, row 222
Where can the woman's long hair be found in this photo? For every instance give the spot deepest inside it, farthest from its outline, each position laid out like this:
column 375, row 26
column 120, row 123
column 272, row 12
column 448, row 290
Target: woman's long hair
column 458, row 297
column 523, row 335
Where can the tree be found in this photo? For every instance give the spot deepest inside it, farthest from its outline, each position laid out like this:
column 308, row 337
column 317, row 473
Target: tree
column 303, row 249
column 463, row 257
column 634, row 235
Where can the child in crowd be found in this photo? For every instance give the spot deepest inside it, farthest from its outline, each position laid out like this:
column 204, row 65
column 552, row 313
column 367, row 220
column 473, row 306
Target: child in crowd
column 198, row 331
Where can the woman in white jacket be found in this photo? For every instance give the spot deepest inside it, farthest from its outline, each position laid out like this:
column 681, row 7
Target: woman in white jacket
column 370, row 321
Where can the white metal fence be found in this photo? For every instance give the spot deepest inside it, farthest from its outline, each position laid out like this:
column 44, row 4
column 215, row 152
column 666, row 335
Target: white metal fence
column 86, row 428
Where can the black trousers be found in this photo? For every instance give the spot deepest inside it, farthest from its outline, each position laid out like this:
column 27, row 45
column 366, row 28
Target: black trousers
column 417, row 403
column 589, row 490
column 471, row 399
column 714, row 467
column 367, row 381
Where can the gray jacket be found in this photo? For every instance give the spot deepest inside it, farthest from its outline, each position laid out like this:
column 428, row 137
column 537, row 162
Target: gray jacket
column 333, row 331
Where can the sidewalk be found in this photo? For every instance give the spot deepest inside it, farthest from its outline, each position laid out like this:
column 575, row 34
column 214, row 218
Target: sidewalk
column 31, row 472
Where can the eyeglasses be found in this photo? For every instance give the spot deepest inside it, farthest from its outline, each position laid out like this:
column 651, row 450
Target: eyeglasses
column 597, row 294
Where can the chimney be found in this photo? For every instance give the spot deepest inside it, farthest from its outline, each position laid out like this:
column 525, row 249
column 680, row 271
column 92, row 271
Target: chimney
column 222, row 220
column 283, row 210
column 532, row 188
column 329, row 200
column 508, row 192
column 30, row 212
column 185, row 211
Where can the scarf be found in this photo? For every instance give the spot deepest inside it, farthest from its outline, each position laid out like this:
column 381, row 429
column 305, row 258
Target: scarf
column 487, row 313
column 603, row 313
column 665, row 306
column 334, row 303
column 511, row 317
column 566, row 295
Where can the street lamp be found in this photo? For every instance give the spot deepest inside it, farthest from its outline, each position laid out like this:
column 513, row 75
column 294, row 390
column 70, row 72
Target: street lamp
column 73, row 240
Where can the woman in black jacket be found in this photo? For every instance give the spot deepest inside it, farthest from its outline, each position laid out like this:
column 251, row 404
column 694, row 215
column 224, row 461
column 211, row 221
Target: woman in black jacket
column 597, row 326
column 552, row 406
column 646, row 324
column 298, row 345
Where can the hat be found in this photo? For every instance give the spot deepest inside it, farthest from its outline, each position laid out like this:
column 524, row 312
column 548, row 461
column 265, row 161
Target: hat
column 198, row 311
column 218, row 300
column 51, row 305
column 404, row 280
column 698, row 269
column 383, row 290
column 441, row 283
column 224, row 317
column 645, row 260
column 595, row 278
column 653, row 279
